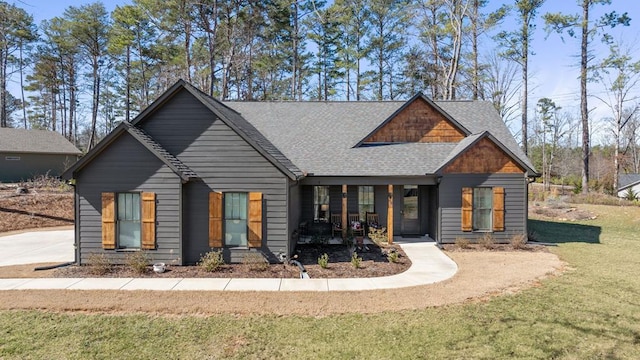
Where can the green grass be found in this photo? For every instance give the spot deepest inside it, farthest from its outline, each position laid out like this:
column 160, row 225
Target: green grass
column 591, row 312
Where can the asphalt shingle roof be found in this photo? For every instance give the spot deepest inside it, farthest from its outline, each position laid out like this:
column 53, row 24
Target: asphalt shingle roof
column 627, row 180
column 35, row 141
column 319, row 137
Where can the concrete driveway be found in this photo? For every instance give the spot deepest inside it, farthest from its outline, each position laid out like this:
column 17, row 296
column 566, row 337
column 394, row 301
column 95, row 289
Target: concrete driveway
column 37, row 247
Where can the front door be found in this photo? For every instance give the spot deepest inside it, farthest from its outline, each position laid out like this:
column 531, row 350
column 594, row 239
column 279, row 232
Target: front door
column 410, row 211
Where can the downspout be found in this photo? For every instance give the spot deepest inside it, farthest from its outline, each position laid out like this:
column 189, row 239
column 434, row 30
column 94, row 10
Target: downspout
column 76, row 221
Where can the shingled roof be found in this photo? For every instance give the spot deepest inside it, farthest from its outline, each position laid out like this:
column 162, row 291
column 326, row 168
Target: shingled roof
column 628, row 180
column 35, row 141
column 322, row 137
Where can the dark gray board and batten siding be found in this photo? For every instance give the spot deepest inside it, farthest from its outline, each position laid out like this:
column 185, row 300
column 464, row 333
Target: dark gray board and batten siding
column 224, row 162
column 141, row 171
column 450, row 201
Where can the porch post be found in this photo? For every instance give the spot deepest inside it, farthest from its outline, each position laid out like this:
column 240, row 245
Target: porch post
column 390, row 215
column 344, row 211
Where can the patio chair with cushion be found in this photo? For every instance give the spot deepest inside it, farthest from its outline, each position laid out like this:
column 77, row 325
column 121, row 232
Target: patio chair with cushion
column 357, row 227
column 373, row 222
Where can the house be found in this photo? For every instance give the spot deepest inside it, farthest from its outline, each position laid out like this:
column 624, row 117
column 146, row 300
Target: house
column 191, row 173
column 629, row 183
column 25, row 154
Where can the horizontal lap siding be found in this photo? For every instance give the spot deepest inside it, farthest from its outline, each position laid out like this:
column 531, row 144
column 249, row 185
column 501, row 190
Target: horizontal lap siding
column 126, row 166
column 450, row 201
column 224, row 162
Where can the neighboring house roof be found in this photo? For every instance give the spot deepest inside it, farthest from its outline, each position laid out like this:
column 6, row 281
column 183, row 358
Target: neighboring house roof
column 322, row 137
column 35, row 141
column 177, row 166
column 628, row 180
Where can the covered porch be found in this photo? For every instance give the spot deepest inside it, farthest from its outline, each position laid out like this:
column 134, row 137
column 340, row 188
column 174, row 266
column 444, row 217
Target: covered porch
column 406, row 207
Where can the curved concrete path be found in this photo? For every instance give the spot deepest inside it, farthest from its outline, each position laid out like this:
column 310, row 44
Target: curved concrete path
column 429, row 265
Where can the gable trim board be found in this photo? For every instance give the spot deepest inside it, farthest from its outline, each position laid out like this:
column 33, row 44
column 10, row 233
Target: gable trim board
column 210, row 148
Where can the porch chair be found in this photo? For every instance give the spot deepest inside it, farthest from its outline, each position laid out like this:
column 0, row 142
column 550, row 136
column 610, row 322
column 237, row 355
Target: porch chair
column 373, row 222
column 357, row 227
column 336, row 225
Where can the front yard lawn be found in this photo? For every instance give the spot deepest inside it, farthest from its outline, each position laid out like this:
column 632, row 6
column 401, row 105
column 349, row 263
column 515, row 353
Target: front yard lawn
column 591, row 311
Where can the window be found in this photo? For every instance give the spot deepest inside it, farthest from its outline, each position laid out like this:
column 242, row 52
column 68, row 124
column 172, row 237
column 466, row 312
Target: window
column 235, row 219
column 482, row 205
column 128, row 221
column 365, row 200
column 483, row 209
column 321, row 203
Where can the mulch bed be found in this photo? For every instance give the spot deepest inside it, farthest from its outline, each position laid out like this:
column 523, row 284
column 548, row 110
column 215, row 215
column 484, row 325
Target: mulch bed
column 374, row 263
column 530, row 247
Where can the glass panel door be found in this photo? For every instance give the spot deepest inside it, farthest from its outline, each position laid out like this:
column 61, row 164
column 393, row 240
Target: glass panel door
column 410, row 210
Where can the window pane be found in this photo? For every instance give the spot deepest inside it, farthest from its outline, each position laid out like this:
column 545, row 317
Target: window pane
column 235, row 210
column 482, row 205
column 321, row 203
column 365, row 200
column 129, row 236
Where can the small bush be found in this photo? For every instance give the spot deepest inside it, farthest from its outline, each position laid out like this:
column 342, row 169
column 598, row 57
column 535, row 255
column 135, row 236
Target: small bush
column 518, row 241
column 487, row 241
column 99, row 264
column 211, row 261
column 462, row 243
column 323, row 260
column 532, row 236
column 138, row 261
column 378, row 236
column 630, row 195
column 393, row 256
column 320, row 238
column 356, row 261
column 255, row 261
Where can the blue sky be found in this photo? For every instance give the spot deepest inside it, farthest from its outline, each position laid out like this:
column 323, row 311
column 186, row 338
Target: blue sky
column 553, row 67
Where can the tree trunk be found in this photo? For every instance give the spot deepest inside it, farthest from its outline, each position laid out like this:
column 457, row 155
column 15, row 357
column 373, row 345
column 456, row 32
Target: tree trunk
column 24, row 105
column 95, row 103
column 584, row 110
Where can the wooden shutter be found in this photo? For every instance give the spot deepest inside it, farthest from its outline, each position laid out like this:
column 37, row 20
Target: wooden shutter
column 215, row 219
column 255, row 219
column 148, row 220
column 108, row 221
column 467, row 209
column 498, row 209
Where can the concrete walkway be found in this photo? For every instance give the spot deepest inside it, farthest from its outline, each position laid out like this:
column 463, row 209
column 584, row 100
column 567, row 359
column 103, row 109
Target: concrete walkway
column 429, row 265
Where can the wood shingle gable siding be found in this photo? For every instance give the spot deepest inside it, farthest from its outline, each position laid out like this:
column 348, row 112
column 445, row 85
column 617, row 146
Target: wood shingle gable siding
column 484, row 157
column 419, row 121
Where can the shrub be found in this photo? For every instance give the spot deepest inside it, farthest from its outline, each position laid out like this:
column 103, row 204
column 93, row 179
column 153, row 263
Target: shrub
column 532, row 236
column 323, row 261
column 630, row 195
column 320, row 237
column 462, row 243
column 138, row 261
column 255, row 261
column 487, row 241
column 378, row 236
column 99, row 264
column 356, row 261
column 518, row 241
column 393, row 256
column 211, row 261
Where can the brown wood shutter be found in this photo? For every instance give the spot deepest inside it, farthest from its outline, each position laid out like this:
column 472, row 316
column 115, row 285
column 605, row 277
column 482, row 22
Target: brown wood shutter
column 215, row 219
column 148, row 221
column 108, row 221
column 255, row 219
column 467, row 209
column 498, row 209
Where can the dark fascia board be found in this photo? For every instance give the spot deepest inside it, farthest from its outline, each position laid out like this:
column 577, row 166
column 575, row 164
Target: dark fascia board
column 204, row 99
column 419, row 95
column 487, row 134
column 104, row 143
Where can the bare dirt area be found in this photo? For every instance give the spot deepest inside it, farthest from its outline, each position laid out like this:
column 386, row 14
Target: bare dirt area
column 559, row 211
column 34, row 208
column 503, row 273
